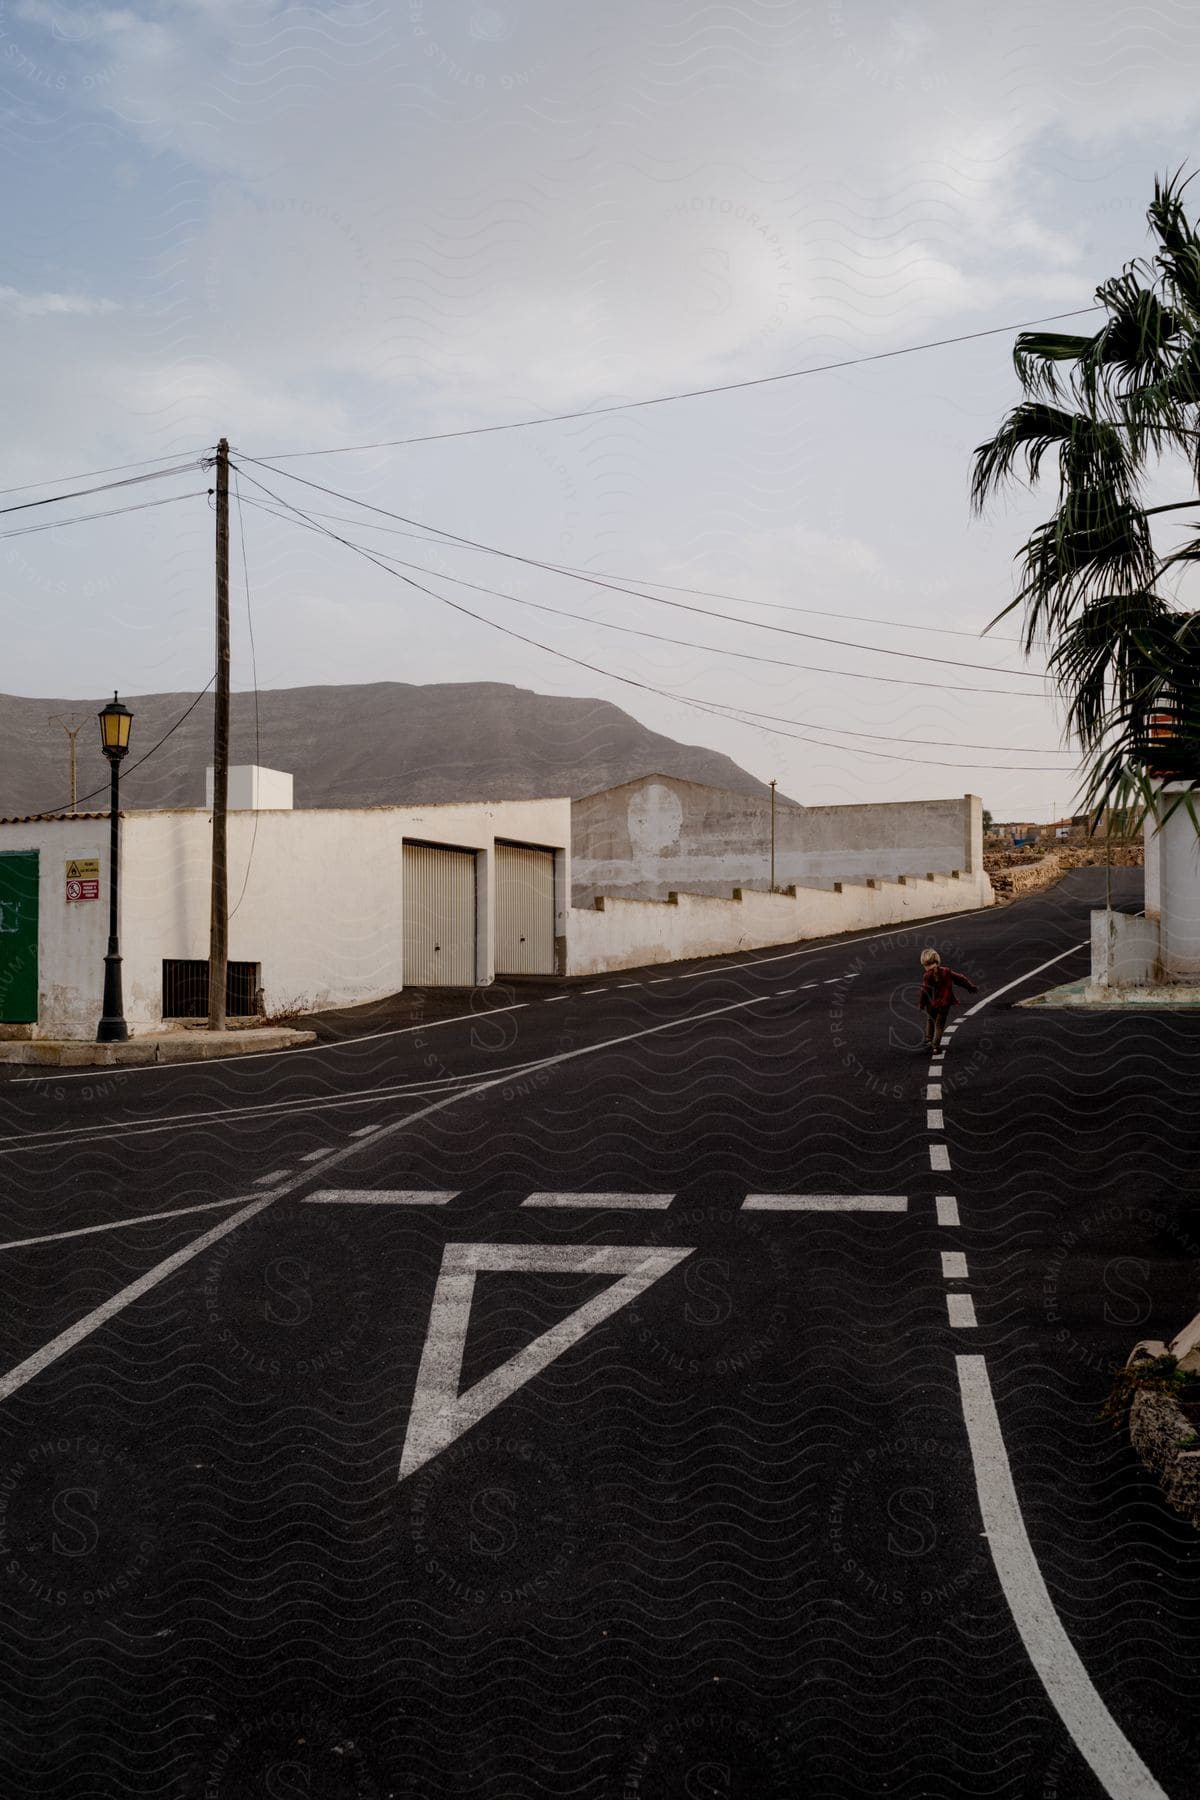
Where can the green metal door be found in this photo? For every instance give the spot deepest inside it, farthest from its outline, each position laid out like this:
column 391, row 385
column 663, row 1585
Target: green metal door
column 18, row 937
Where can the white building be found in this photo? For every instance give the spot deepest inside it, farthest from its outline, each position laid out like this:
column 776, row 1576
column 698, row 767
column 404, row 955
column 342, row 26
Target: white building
column 1163, row 945
column 328, row 907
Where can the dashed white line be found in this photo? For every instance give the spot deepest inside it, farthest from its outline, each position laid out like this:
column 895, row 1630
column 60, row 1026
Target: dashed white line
column 553, row 999
column 1109, row 1754
column 826, row 1202
column 954, row 1265
column 628, row 984
column 947, row 1210
column 276, row 1175
column 934, row 1119
column 602, row 1201
column 939, row 1157
column 961, row 1310
column 314, row 1155
column 595, row 990
column 381, row 1197
column 933, row 1091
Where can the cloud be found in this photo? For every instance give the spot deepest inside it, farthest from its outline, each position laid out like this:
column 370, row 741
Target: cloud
column 40, row 306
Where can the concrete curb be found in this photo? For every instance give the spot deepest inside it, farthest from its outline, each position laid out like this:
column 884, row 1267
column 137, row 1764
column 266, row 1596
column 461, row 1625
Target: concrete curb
column 169, row 1047
column 1086, row 996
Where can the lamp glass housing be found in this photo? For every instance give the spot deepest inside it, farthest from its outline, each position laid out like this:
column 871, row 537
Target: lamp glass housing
column 115, row 721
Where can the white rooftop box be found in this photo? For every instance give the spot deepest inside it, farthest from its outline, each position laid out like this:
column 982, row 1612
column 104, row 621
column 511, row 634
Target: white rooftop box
column 252, row 789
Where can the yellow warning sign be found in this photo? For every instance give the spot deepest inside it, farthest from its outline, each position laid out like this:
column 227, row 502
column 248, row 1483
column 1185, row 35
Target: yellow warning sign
column 83, row 878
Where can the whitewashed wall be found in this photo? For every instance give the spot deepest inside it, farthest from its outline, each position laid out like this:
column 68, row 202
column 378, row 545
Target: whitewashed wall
column 628, row 934
column 315, row 897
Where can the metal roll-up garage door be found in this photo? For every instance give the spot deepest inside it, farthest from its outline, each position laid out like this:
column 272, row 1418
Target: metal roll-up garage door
column 524, row 911
column 439, row 917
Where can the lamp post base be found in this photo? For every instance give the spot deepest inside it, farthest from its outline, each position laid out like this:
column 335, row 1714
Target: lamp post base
column 112, row 1028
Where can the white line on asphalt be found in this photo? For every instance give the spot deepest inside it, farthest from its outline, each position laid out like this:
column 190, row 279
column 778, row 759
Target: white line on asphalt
column 780, row 992
column 53, row 1140
column 954, row 1265
column 1028, row 976
column 961, row 1310
column 369, row 1037
column 178, row 1212
column 272, row 1178
column 381, row 1197
column 939, row 1157
column 74, row 1334
column 826, row 1203
column 603, row 1201
column 947, row 1210
column 551, row 999
column 595, row 990
column 313, row 1155
column 657, row 980
column 935, row 1119
column 933, row 1092
column 468, row 1018
column 628, row 984
column 1108, row 1753
column 810, row 984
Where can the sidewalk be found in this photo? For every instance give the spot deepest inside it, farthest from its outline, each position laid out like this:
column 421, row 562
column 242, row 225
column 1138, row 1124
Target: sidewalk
column 163, row 1047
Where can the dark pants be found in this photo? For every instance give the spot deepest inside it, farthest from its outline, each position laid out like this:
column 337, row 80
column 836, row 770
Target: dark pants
column 935, row 1024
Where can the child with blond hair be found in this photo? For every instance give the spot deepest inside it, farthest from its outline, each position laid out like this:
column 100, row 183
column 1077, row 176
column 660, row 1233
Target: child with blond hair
column 937, row 996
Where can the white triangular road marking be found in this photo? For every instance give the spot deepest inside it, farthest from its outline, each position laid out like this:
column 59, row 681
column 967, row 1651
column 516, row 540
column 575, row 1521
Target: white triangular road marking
column 440, row 1414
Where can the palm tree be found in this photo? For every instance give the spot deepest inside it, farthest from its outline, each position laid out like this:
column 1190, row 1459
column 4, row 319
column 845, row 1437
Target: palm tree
column 1116, row 407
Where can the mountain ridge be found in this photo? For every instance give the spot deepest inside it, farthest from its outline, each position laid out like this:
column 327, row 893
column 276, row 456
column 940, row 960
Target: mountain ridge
column 369, row 744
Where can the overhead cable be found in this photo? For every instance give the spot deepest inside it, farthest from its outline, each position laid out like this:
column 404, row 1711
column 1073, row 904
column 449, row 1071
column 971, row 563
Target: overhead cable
column 104, row 487
column 725, row 387
column 655, row 599
column 778, row 662
column 112, row 512
column 608, row 674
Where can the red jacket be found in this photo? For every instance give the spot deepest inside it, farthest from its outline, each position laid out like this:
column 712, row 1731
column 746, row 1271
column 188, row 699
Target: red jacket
column 937, row 989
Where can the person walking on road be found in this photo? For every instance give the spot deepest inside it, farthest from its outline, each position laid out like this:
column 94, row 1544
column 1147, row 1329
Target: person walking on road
column 937, row 996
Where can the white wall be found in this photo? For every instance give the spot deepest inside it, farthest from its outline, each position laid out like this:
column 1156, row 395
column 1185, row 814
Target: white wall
column 1179, row 898
column 1125, row 950
column 315, row 897
column 629, row 934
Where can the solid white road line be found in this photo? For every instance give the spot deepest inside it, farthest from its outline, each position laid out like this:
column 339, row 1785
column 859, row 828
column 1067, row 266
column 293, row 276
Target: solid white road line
column 826, row 1203
column 74, row 1334
column 178, row 1212
column 961, row 1310
column 947, row 1210
column 1028, row 976
column 604, row 1201
column 939, row 1158
column 933, row 1091
column 551, row 999
column 1109, row 1754
column 381, row 1197
column 313, row 1155
column 595, row 990
column 954, row 1265
column 935, row 1119
column 66, row 1340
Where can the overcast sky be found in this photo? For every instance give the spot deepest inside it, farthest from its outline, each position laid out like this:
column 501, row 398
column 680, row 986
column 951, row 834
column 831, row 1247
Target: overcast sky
column 309, row 227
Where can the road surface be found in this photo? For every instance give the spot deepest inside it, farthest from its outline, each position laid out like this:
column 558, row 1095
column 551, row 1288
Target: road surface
column 661, row 1385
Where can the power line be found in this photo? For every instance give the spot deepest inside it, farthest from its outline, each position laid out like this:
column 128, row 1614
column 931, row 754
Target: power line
column 655, row 599
column 48, row 810
column 608, row 674
column 112, row 512
column 674, row 587
column 657, row 637
column 725, row 387
column 103, row 488
column 87, row 474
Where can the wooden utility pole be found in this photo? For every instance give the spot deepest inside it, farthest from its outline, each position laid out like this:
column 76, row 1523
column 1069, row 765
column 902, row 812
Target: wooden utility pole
column 218, row 942
column 72, row 732
column 772, row 837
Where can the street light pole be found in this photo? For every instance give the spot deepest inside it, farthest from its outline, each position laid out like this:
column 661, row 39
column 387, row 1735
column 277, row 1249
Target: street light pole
column 772, row 836
column 115, row 722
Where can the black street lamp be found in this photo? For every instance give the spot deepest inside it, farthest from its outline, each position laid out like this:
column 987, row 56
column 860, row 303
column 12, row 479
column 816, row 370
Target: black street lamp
column 115, row 721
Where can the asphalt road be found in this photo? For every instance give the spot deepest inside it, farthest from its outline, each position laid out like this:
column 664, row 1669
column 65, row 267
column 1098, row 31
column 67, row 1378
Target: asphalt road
column 512, row 1405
